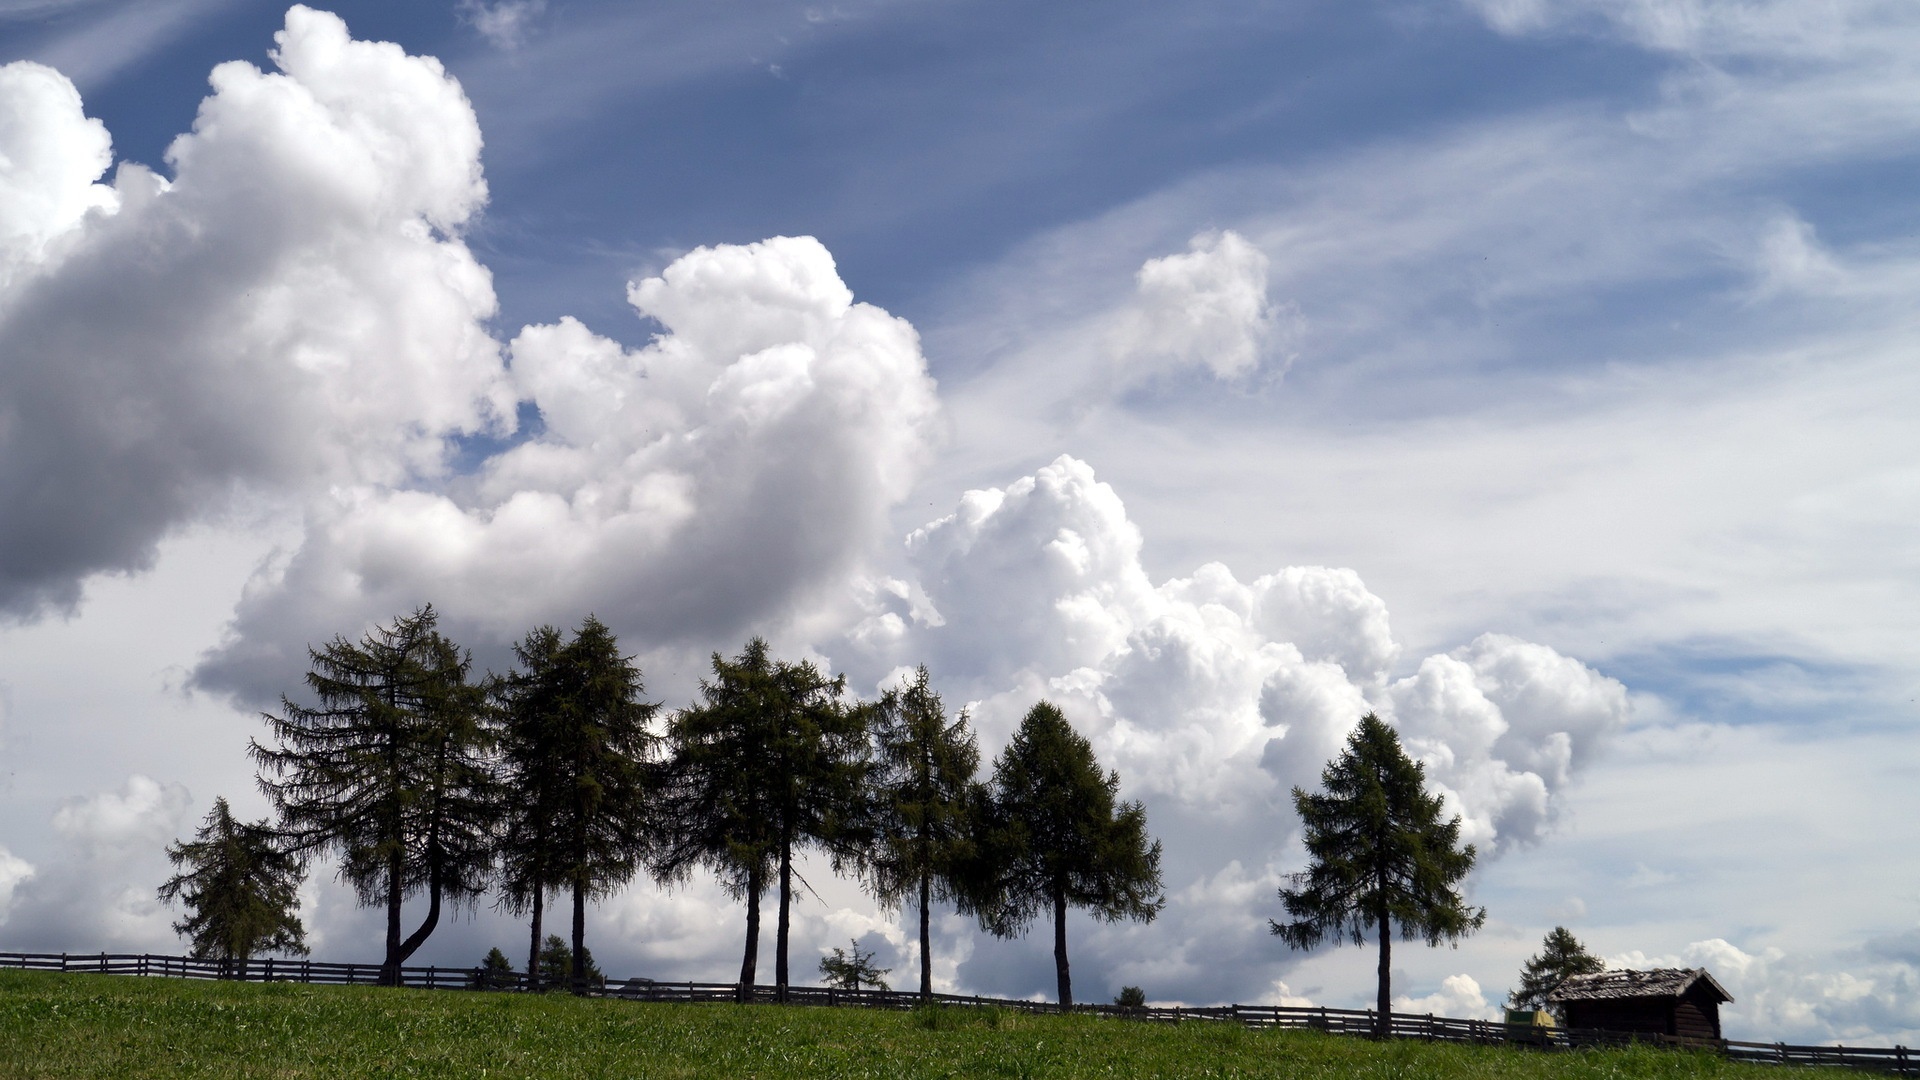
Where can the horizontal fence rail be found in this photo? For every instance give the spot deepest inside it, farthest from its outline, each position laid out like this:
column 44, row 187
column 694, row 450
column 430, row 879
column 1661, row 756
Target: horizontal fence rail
column 1894, row 1060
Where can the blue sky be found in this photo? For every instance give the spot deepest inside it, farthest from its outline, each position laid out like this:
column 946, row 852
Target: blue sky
column 1140, row 359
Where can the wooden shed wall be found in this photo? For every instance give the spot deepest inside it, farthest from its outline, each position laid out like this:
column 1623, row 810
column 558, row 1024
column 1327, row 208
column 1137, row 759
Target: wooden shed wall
column 1696, row 1015
column 1651, row 1015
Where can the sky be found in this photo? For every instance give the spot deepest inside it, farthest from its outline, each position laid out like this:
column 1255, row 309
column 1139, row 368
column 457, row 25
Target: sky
column 1538, row 374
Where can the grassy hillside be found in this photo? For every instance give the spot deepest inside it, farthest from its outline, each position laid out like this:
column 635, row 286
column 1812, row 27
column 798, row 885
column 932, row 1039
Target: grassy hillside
column 54, row 1025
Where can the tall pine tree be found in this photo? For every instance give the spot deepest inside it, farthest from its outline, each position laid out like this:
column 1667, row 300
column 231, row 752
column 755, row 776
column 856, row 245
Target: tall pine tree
column 390, row 771
column 923, row 796
column 524, row 701
column 716, row 810
column 1381, row 858
column 1059, row 837
column 774, row 760
column 578, row 751
column 240, row 889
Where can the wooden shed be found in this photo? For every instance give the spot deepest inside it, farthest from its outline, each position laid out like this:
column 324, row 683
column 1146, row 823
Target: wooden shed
column 1665, row 1001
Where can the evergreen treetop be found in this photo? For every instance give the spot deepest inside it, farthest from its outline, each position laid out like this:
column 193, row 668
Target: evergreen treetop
column 1560, row 958
column 240, row 889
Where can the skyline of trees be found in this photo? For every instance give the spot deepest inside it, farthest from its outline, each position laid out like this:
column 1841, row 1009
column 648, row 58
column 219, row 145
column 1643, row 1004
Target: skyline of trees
column 774, row 757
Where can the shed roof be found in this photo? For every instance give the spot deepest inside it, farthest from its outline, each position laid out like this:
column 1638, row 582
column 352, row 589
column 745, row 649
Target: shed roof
column 1658, row 983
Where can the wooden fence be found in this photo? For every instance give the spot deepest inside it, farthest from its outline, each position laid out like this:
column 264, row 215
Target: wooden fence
column 1896, row 1060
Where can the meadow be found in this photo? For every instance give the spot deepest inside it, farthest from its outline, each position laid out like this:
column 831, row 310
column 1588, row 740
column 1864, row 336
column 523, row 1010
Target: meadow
column 54, row 1025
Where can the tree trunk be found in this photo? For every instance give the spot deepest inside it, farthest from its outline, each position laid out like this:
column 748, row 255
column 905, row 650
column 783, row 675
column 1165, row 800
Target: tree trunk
column 780, row 934
column 1060, row 946
column 533, row 953
column 751, row 961
column 419, row 937
column 1383, row 1018
column 926, row 936
column 390, row 970
column 579, row 978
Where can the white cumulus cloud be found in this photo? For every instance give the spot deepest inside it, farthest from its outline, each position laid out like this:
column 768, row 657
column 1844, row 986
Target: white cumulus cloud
column 53, row 155
column 1207, row 307
column 291, row 309
column 1220, row 693
column 1459, row 996
column 725, row 476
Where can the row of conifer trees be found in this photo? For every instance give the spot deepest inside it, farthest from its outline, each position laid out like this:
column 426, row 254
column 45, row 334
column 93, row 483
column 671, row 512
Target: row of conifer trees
column 558, row 778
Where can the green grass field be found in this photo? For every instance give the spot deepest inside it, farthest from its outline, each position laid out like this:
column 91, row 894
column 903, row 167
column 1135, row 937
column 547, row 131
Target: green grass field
column 54, row 1025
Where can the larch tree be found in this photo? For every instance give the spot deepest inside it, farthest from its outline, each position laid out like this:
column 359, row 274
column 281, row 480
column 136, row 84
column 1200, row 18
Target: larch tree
column 390, row 771
column 1059, row 837
column 241, row 890
column 524, row 701
column 774, row 760
column 923, row 795
column 1382, row 860
column 1560, row 958
column 578, row 752
column 851, row 969
column 715, row 813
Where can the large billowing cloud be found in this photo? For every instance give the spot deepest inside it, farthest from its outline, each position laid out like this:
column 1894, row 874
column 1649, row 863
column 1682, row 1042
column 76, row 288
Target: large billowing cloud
column 293, row 314
column 1209, row 691
column 731, row 473
column 292, row 309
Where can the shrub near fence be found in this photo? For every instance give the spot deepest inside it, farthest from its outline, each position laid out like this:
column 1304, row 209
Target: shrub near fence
column 1896, row 1060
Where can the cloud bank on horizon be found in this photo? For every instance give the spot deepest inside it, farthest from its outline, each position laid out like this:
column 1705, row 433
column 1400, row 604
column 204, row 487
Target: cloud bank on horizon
column 291, row 323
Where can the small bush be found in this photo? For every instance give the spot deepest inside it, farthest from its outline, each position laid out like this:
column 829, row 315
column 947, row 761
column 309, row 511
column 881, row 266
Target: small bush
column 1131, row 997
column 495, row 973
